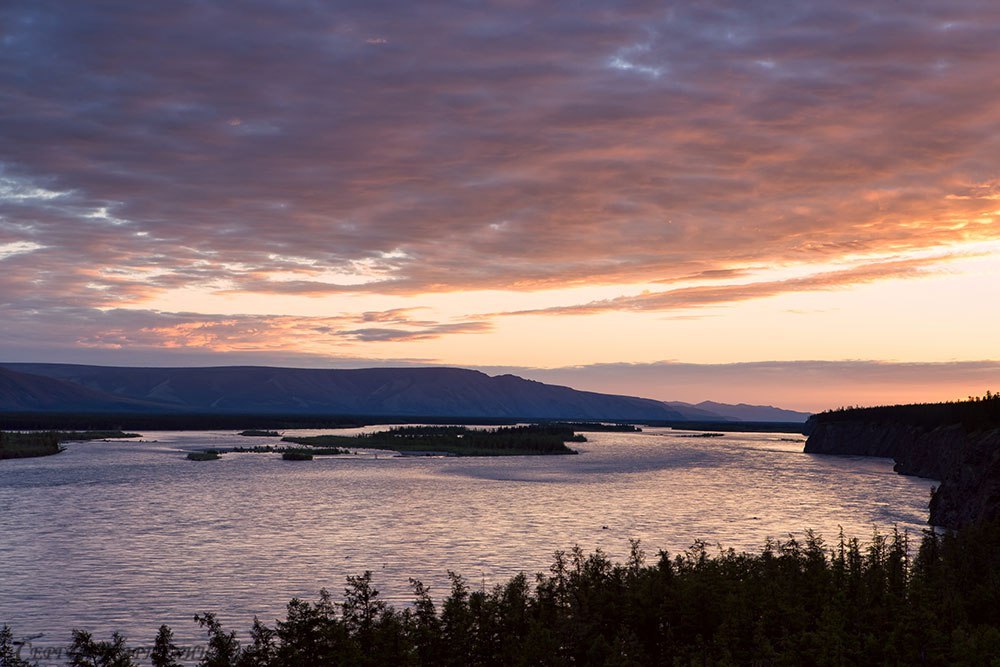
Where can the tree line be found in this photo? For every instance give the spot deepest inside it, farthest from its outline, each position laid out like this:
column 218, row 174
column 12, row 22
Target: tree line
column 974, row 413
column 795, row 602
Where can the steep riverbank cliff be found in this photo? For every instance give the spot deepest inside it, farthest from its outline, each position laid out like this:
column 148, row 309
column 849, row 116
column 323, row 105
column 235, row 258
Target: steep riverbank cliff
column 956, row 443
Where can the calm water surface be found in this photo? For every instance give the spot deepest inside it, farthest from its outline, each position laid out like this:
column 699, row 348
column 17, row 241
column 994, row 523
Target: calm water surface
column 127, row 535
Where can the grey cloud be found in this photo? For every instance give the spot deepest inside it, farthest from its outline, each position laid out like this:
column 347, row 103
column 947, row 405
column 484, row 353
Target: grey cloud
column 62, row 328
column 388, row 334
column 494, row 145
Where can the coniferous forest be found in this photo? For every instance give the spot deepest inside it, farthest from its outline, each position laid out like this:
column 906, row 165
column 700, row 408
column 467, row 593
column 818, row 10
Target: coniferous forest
column 796, row 602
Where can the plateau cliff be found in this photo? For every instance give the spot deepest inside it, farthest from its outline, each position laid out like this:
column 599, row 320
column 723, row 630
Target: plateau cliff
column 956, row 443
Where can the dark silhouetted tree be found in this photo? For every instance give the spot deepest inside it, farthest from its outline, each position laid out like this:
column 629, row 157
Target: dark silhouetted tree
column 85, row 652
column 223, row 648
column 165, row 651
column 9, row 656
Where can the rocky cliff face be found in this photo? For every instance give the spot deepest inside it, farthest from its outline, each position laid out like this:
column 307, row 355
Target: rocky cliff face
column 966, row 463
column 970, row 488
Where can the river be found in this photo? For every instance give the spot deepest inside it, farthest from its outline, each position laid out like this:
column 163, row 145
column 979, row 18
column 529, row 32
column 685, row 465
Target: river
column 126, row 535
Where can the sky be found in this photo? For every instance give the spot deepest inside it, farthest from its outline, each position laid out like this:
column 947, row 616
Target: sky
column 788, row 203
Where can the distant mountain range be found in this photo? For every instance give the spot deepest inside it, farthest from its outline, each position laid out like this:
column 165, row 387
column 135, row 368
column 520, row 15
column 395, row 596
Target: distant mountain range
column 398, row 392
column 21, row 392
column 744, row 412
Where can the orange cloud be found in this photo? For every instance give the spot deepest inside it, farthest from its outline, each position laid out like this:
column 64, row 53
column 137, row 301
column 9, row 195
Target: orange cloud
column 709, row 295
column 493, row 148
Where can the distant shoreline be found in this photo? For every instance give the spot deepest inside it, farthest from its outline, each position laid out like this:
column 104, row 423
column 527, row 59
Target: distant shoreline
column 105, row 421
column 19, row 445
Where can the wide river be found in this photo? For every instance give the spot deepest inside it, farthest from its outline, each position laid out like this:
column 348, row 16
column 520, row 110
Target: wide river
column 127, row 535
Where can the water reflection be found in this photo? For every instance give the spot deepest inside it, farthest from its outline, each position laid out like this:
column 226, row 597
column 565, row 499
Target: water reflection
column 126, row 535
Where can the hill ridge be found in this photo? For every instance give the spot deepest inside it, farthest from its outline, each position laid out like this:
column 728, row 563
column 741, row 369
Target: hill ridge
column 433, row 390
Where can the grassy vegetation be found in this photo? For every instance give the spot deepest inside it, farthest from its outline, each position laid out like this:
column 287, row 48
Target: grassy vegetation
column 319, row 451
column 260, row 434
column 456, row 440
column 206, row 455
column 18, row 445
column 267, row 449
column 287, row 453
column 24, row 445
column 596, row 427
column 67, row 436
column 793, row 603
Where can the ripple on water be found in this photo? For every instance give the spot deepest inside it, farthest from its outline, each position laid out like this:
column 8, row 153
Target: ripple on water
column 126, row 535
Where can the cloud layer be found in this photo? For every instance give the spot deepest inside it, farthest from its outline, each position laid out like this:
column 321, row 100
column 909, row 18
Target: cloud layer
column 401, row 148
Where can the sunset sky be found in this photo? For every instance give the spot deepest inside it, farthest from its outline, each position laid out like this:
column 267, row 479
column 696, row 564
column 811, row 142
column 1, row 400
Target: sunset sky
column 794, row 203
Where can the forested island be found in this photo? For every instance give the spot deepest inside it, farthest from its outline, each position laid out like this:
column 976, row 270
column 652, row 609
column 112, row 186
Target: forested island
column 957, row 443
column 287, row 453
column 596, row 427
column 793, row 603
column 18, row 444
column 205, row 455
column 535, row 439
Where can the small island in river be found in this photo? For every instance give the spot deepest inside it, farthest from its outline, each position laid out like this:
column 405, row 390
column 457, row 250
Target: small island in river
column 536, row 439
column 205, row 455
